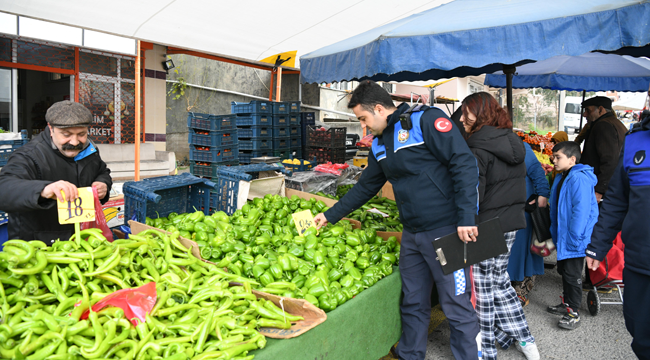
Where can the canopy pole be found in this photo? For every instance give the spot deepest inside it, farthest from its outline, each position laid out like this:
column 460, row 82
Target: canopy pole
column 509, row 71
column 137, row 112
column 271, row 87
column 278, row 81
column 582, row 111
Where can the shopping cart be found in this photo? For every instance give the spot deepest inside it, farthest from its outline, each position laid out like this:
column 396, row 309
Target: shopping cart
column 607, row 280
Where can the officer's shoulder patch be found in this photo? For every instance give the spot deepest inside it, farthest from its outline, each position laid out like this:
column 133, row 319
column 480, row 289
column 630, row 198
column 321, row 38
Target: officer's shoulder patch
column 443, row 124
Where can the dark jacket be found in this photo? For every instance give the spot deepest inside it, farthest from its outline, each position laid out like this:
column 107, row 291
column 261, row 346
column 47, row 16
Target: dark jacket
column 602, row 146
column 626, row 206
column 500, row 155
column 29, row 170
column 433, row 173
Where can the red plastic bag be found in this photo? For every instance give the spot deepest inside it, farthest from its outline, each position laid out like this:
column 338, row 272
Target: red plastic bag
column 136, row 303
column 331, row 168
column 611, row 268
column 100, row 220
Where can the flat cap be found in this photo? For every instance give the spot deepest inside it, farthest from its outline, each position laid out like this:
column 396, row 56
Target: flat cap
column 598, row 101
column 64, row 114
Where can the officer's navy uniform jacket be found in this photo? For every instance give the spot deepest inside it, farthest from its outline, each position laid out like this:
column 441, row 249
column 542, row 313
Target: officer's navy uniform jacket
column 627, row 204
column 29, row 170
column 433, row 173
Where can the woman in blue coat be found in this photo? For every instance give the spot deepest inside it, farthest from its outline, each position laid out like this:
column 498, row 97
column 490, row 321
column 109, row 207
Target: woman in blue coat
column 524, row 265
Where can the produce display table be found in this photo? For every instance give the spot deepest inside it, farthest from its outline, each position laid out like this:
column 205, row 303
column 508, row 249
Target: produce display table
column 362, row 328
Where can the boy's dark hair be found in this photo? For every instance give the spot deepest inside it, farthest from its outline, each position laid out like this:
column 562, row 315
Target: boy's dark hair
column 568, row 148
column 368, row 94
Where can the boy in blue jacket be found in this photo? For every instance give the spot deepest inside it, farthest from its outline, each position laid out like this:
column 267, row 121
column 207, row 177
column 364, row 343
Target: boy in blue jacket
column 574, row 212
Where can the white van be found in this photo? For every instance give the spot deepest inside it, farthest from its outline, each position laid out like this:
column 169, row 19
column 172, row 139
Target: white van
column 572, row 110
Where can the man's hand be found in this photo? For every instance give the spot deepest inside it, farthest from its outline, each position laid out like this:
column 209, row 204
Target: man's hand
column 101, row 189
column 599, row 197
column 467, row 233
column 542, row 201
column 592, row 264
column 53, row 191
column 320, row 220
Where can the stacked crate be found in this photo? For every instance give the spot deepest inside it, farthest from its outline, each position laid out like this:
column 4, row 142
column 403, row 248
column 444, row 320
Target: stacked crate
column 306, row 119
column 281, row 130
column 254, row 122
column 213, row 143
column 295, row 133
column 326, row 145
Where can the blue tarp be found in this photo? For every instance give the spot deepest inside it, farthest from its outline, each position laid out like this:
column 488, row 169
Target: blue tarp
column 478, row 35
column 590, row 72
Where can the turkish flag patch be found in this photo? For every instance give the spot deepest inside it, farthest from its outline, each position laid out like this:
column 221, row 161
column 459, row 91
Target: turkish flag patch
column 443, row 125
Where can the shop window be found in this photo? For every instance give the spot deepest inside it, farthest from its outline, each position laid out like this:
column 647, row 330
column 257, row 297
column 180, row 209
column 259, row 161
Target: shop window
column 5, row 49
column 33, row 53
column 97, row 64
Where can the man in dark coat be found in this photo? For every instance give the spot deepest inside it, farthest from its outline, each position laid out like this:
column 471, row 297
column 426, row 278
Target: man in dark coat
column 51, row 167
column 603, row 141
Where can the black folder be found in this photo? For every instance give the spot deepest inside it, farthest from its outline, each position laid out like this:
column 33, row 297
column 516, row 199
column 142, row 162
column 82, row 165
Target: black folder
column 489, row 243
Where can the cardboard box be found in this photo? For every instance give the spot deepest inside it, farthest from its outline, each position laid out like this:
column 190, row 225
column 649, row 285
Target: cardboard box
column 114, row 211
column 386, row 234
column 387, row 191
column 304, row 195
column 313, row 316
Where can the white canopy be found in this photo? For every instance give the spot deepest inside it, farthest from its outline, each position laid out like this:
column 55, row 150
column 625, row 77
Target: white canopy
column 243, row 30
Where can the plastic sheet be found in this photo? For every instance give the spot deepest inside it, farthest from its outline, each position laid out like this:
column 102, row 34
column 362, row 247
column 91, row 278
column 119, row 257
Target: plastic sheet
column 313, row 182
column 136, row 302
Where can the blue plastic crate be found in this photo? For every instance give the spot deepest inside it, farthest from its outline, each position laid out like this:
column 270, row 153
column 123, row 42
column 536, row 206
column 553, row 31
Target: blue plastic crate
column 255, row 131
column 294, row 107
column 4, row 233
column 281, row 120
column 294, row 120
column 296, row 152
column 294, row 142
column 163, row 195
column 246, row 155
column 295, row 131
column 282, row 153
column 281, row 131
column 228, row 183
column 253, row 107
column 281, row 143
column 209, row 171
column 280, row 107
column 215, row 138
column 259, row 143
column 15, row 144
column 214, row 154
column 254, row 120
column 306, row 119
column 210, row 122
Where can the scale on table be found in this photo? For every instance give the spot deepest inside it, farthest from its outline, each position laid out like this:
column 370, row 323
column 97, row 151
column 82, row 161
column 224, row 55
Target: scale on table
column 360, row 159
column 271, row 160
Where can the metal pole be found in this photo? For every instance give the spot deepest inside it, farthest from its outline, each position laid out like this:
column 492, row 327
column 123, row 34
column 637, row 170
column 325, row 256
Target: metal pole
column 137, row 112
column 509, row 71
column 582, row 111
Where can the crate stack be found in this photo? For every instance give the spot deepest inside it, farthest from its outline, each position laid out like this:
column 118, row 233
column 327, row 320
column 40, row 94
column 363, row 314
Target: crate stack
column 7, row 147
column 267, row 128
column 326, row 145
column 213, row 143
column 306, row 119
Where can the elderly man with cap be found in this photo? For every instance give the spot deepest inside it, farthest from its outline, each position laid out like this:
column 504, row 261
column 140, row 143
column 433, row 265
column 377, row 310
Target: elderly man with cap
column 53, row 165
column 603, row 141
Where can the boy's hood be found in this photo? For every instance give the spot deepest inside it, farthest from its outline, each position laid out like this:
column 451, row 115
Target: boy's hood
column 587, row 170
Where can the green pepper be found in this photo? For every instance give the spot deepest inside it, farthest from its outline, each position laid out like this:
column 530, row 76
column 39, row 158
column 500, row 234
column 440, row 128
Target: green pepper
column 312, row 299
column 200, row 226
column 355, row 273
column 368, row 281
column 262, row 262
column 246, row 258
column 340, row 296
column 352, row 255
column 311, row 243
column 299, row 280
column 297, row 250
column 374, row 257
column 327, row 302
column 386, row 267
column 312, row 280
column 318, row 257
column 310, row 231
column 389, row 257
column 362, row 262
column 334, row 261
column 266, row 278
column 334, row 275
column 330, row 241
column 318, row 290
column 352, row 239
column 346, row 281
column 220, row 216
column 257, row 271
column 304, row 268
column 284, row 262
column 309, row 254
column 276, row 271
column 340, row 248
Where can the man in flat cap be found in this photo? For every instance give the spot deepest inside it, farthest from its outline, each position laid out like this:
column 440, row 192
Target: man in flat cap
column 53, row 165
column 603, row 140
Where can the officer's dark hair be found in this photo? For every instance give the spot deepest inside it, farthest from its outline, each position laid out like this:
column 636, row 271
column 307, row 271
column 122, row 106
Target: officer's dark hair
column 568, row 148
column 368, row 94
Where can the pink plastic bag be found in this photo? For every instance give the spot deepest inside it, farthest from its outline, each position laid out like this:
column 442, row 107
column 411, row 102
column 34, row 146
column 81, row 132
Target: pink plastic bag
column 136, row 302
column 100, row 220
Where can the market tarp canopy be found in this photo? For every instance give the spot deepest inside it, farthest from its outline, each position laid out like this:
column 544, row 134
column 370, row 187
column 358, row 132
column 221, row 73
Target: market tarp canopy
column 240, row 30
column 470, row 37
column 590, row 72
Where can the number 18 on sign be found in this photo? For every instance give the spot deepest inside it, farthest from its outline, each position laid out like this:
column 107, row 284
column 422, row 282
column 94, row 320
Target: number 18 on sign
column 303, row 220
column 81, row 209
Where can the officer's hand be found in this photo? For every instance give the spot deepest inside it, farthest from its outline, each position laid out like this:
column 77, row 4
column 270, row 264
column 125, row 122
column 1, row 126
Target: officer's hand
column 101, row 189
column 467, row 233
column 320, row 220
column 53, row 191
column 592, row 264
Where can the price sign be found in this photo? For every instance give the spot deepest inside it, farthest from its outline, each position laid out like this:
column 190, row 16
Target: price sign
column 303, row 220
column 81, row 209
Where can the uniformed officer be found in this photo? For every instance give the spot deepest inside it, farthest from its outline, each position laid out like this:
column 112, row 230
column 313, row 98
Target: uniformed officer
column 434, row 177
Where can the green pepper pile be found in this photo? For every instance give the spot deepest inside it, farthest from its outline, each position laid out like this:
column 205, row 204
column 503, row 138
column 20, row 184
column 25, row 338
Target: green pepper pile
column 261, row 242
column 378, row 222
column 45, row 290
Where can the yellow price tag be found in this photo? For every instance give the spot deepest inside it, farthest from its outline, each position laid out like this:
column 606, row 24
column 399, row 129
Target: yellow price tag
column 81, row 209
column 303, row 220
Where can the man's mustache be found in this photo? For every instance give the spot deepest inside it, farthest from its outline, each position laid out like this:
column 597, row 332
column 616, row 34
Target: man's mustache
column 68, row 146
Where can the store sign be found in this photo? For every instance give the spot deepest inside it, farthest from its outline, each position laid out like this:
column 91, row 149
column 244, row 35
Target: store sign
column 303, row 220
column 81, row 209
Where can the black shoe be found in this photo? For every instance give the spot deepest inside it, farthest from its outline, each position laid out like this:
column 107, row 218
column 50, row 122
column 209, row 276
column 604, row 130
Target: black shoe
column 570, row 321
column 560, row 309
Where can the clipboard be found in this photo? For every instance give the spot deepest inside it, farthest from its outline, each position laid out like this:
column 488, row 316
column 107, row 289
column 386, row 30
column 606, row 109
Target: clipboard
column 489, row 243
